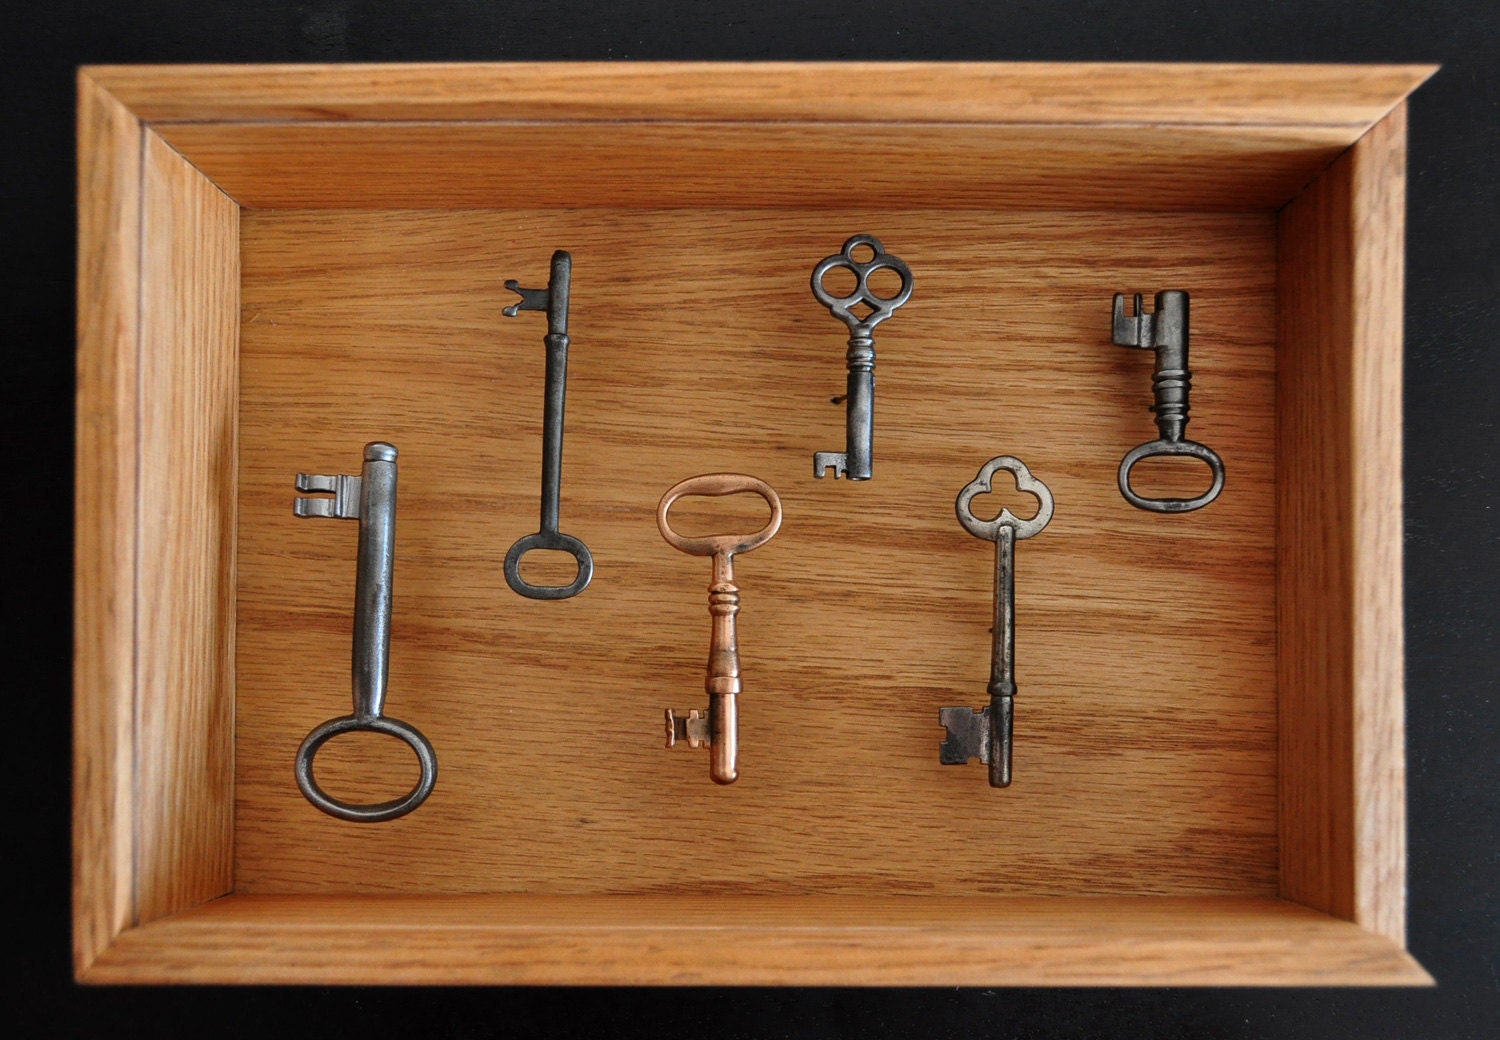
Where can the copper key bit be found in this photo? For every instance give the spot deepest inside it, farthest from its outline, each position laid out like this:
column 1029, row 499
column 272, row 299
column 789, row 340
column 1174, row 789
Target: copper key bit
column 985, row 734
column 718, row 729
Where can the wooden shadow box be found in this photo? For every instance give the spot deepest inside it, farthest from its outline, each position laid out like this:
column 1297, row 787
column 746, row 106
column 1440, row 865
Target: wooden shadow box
column 280, row 263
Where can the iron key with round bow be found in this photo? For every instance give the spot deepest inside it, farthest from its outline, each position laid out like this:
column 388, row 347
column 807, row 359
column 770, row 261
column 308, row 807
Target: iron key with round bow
column 1165, row 331
column 985, row 733
column 553, row 300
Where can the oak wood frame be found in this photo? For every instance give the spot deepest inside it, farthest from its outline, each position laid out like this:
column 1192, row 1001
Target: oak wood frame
column 167, row 156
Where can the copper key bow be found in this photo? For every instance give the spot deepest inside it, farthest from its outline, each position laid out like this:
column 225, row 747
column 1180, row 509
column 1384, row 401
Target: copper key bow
column 718, row 729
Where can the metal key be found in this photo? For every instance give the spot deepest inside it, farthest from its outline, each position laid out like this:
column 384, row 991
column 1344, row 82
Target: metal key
column 553, row 300
column 369, row 498
column 718, row 728
column 1165, row 332
column 985, row 733
column 855, row 462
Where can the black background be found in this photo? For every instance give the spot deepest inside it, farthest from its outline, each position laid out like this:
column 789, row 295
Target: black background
column 1452, row 538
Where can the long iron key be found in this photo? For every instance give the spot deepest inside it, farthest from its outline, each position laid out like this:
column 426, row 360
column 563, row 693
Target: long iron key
column 985, row 733
column 718, row 729
column 369, row 498
column 553, row 300
column 855, row 462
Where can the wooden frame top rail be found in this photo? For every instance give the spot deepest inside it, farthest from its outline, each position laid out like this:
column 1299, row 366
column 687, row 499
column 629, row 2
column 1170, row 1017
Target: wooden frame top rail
column 1349, row 96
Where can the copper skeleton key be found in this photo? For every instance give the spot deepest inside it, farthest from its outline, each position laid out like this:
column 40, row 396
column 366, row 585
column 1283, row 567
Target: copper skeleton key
column 718, row 729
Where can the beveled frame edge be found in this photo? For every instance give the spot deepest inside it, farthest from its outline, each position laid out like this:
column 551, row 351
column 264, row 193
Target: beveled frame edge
column 1356, row 96
column 154, row 559
column 109, row 197
column 113, row 139
column 1340, row 278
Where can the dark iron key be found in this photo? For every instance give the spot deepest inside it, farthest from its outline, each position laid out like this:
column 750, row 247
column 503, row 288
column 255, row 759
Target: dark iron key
column 553, row 300
column 985, row 734
column 1166, row 332
column 369, row 498
column 856, row 462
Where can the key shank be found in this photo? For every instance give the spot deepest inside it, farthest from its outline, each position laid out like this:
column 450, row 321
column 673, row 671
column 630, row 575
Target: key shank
column 372, row 583
column 859, row 414
column 1002, row 688
column 723, row 681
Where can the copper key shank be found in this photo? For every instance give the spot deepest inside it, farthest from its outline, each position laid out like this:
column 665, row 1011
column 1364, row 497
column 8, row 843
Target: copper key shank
column 719, row 730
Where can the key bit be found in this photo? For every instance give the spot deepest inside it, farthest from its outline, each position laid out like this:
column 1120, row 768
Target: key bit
column 531, row 299
column 692, row 727
column 346, row 492
column 823, row 461
column 968, row 735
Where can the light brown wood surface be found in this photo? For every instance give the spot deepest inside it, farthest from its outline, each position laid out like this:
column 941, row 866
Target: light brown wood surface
column 1175, row 739
column 1354, row 96
column 1343, row 831
column 1146, row 720
column 893, row 166
column 104, row 587
column 759, row 941
column 186, row 536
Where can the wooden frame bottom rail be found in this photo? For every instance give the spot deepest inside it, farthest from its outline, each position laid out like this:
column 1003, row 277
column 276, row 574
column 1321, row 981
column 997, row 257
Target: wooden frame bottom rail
column 749, row 940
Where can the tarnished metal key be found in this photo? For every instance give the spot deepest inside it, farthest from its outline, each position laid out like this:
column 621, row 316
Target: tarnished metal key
column 855, row 462
column 718, row 728
column 369, row 498
column 1166, row 332
column 553, row 300
column 985, row 733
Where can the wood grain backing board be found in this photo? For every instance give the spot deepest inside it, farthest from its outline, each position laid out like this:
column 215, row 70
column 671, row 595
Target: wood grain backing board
column 186, row 530
column 1146, row 719
column 109, row 171
column 1353, row 96
column 777, row 165
column 1339, row 577
column 757, row 941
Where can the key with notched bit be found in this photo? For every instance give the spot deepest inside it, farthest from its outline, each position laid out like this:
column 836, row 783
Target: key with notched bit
column 1165, row 331
column 985, row 733
column 855, row 462
column 718, row 729
column 554, row 301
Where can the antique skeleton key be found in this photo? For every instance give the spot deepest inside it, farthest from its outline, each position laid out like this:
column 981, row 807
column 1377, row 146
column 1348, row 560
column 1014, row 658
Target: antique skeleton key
column 553, row 300
column 1166, row 332
column 985, row 733
column 369, row 498
column 855, row 461
column 718, row 728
